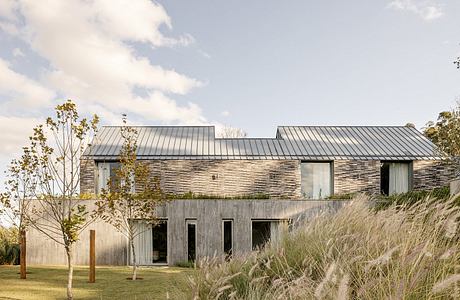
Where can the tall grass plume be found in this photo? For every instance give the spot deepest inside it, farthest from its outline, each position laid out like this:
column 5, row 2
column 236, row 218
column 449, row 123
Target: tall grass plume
column 401, row 252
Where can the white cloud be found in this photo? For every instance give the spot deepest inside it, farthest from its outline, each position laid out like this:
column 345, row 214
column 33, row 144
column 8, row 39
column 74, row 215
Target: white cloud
column 225, row 113
column 204, row 53
column 17, row 52
column 427, row 10
column 21, row 91
column 92, row 59
column 8, row 9
column 16, row 135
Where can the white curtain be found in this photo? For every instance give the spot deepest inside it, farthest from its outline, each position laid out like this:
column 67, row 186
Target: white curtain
column 315, row 180
column 103, row 173
column 399, row 178
column 277, row 229
column 143, row 243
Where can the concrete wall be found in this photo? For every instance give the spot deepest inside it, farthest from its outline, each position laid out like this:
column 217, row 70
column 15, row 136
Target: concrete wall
column 455, row 187
column 111, row 246
column 276, row 178
column 210, row 213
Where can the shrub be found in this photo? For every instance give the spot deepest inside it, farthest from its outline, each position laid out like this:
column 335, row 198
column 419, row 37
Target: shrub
column 412, row 197
column 9, row 246
column 357, row 253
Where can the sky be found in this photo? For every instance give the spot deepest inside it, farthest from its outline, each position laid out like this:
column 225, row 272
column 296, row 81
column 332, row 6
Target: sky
column 247, row 64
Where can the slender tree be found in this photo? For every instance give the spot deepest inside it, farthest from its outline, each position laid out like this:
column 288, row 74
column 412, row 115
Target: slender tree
column 132, row 195
column 52, row 163
column 15, row 201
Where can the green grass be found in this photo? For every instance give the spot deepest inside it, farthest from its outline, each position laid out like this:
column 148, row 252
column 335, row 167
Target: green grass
column 49, row 282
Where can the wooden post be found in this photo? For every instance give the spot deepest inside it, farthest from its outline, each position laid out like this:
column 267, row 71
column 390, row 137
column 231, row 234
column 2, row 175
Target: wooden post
column 22, row 257
column 92, row 256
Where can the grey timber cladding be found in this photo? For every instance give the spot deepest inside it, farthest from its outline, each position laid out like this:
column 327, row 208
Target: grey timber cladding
column 291, row 142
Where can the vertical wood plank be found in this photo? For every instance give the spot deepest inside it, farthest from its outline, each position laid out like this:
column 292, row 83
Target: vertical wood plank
column 92, row 256
column 22, row 257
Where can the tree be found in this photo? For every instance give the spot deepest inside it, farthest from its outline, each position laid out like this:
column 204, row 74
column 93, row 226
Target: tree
column 131, row 195
column 53, row 163
column 457, row 62
column 445, row 134
column 231, row 132
column 15, row 201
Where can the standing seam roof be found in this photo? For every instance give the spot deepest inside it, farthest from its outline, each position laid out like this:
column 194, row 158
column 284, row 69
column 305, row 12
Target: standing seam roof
column 291, row 142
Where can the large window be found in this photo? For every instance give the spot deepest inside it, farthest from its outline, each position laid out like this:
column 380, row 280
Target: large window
column 105, row 171
column 150, row 242
column 316, row 179
column 267, row 231
column 395, row 177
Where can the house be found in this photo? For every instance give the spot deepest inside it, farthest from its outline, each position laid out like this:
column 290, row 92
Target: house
column 252, row 187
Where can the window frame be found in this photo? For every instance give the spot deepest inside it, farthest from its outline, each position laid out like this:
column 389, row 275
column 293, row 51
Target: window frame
column 410, row 180
column 331, row 175
column 232, row 237
column 187, row 223
column 97, row 173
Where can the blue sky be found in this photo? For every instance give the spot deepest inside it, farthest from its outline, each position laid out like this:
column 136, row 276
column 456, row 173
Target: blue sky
column 247, row 64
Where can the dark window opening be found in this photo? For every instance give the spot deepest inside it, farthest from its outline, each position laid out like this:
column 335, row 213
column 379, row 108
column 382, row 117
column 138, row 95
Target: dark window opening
column 228, row 238
column 385, row 178
column 260, row 234
column 395, row 177
column 160, row 242
column 191, row 241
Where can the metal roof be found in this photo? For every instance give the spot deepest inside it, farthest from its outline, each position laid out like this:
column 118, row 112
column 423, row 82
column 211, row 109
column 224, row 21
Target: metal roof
column 291, row 142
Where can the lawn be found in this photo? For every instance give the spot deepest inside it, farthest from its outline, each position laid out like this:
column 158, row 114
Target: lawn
column 49, row 282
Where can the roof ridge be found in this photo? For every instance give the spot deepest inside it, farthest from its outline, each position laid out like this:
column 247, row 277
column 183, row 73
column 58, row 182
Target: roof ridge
column 161, row 126
column 350, row 126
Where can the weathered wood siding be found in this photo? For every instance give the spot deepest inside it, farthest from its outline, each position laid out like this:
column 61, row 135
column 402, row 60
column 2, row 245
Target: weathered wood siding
column 111, row 246
column 428, row 174
column 351, row 176
column 275, row 178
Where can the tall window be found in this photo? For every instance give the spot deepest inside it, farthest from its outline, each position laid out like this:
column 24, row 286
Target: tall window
column 105, row 171
column 227, row 237
column 150, row 242
column 395, row 177
column 191, row 239
column 316, row 180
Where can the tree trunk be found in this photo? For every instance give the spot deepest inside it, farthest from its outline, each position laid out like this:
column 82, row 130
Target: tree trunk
column 70, row 271
column 134, row 277
column 22, row 255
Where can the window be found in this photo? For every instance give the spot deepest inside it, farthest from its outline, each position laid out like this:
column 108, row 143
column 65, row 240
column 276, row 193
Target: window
column 316, row 179
column 191, row 239
column 395, row 177
column 150, row 242
column 160, row 242
column 260, row 234
column 105, row 171
column 267, row 231
column 227, row 237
